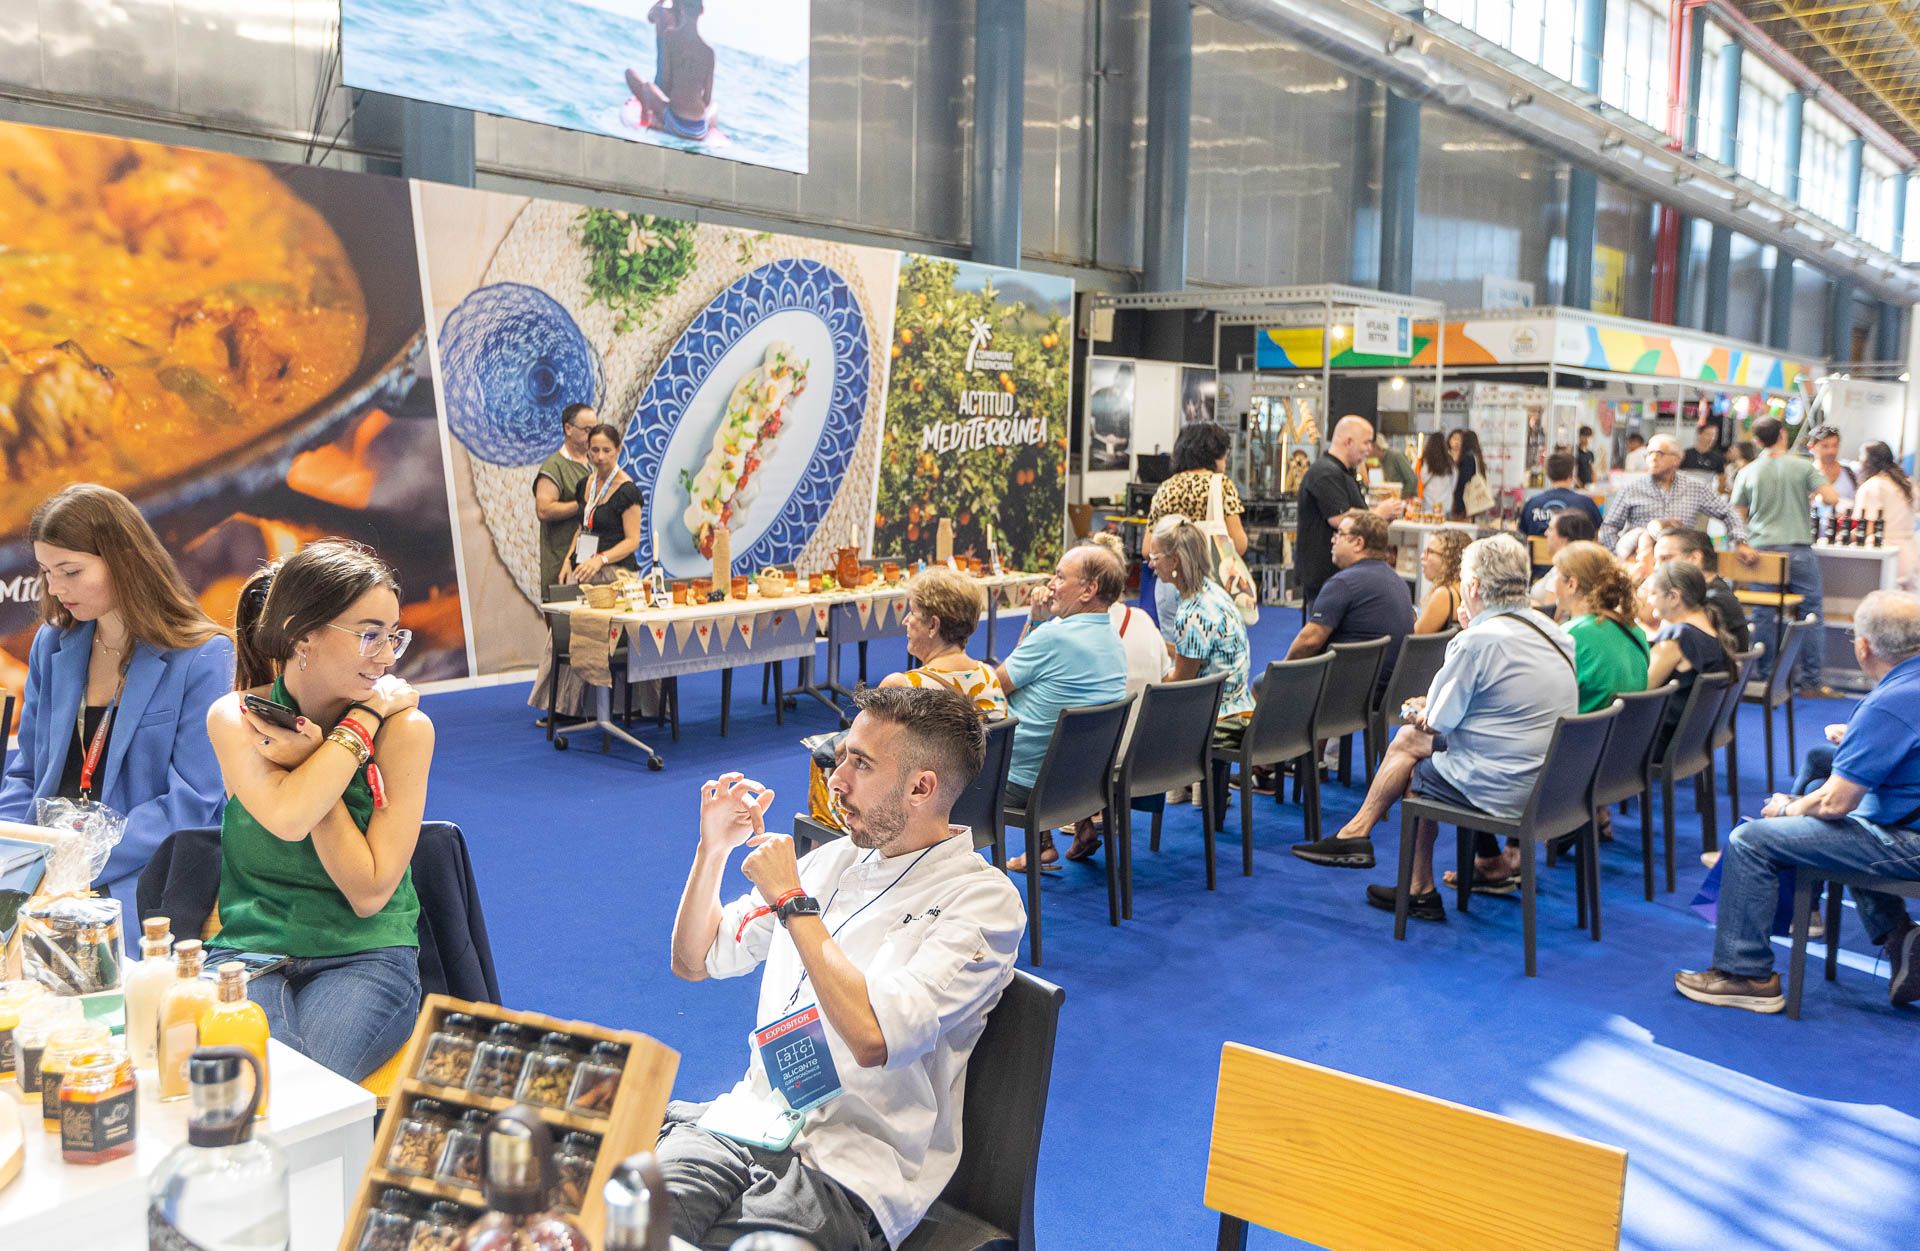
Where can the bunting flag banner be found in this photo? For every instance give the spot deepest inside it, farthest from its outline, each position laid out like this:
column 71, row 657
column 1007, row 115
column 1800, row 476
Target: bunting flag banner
column 722, row 631
column 682, row 631
column 746, row 631
column 865, row 605
column 880, row 612
column 820, row 617
column 705, row 630
column 659, row 633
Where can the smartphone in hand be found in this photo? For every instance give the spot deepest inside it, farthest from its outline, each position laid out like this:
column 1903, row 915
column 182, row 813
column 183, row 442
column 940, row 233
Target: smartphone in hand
column 268, row 711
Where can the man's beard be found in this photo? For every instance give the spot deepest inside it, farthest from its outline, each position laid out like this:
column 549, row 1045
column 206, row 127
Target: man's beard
column 877, row 826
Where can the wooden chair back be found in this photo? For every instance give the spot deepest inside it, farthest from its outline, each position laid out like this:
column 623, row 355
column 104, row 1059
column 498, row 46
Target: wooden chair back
column 1537, row 549
column 1768, row 573
column 1277, row 1121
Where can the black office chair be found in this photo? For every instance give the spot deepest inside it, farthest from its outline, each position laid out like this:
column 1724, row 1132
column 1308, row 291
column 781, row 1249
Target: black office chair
column 978, row 808
column 1281, row 731
column 1421, row 656
column 1806, row 889
column 1075, row 781
column 1561, row 802
column 1726, row 731
column 1776, row 689
column 988, row 1202
column 1178, row 752
column 1346, row 707
column 562, row 635
column 1626, row 768
column 1689, row 753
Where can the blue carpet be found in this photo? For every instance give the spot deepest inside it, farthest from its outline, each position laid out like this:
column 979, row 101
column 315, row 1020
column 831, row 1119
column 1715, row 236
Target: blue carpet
column 1743, row 1131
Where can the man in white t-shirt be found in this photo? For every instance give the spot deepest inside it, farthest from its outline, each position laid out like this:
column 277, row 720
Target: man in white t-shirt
column 883, row 952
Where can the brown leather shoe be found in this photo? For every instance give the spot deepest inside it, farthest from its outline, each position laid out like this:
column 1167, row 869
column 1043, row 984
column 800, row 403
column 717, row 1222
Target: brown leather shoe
column 1725, row 990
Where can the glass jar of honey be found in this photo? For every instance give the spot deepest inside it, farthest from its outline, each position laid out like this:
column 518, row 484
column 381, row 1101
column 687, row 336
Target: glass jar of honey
column 98, row 1102
column 62, row 1046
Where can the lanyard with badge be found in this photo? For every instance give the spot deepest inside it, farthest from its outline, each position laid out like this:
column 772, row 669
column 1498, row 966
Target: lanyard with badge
column 587, row 544
column 793, row 1050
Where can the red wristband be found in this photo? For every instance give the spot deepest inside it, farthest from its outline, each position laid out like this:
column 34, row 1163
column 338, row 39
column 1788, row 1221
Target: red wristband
column 766, row 910
column 358, row 731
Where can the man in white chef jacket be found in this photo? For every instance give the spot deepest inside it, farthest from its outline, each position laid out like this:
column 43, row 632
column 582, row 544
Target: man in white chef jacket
column 884, row 951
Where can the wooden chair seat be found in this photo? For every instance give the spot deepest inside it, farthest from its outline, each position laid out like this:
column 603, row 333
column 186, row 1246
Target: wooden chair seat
column 1769, row 599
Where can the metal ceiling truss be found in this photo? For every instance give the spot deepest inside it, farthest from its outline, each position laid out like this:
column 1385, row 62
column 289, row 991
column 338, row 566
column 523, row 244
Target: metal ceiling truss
column 1875, row 43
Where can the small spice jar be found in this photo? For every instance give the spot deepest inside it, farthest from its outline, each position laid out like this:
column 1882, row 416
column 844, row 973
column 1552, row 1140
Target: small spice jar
column 597, row 1080
column 62, row 1046
column 547, row 1075
column 498, row 1061
column 420, row 1138
column 38, row 1020
column 97, row 1106
column 449, row 1055
column 389, row 1226
column 460, row 1161
column 441, row 1228
column 573, row 1159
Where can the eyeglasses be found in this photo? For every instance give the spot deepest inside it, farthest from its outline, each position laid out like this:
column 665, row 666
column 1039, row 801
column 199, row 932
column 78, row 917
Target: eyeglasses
column 581, row 425
column 372, row 639
column 1346, row 534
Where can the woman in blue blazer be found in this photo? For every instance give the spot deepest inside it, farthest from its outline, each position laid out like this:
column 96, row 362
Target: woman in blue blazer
column 122, row 671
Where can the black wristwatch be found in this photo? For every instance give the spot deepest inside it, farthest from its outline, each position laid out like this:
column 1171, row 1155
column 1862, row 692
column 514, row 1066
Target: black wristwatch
column 799, row 906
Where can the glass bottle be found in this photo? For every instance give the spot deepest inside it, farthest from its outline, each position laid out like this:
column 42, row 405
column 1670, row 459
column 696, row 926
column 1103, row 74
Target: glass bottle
column 98, row 1106
column 14, row 998
column 38, row 1019
column 180, row 1009
column 516, row 1155
column 460, row 1158
column 420, row 1138
column 597, row 1080
column 498, row 1061
column 448, row 1059
column 236, row 1021
column 224, row 1189
column 389, row 1224
column 573, row 1160
column 441, row 1228
column 62, row 1046
column 635, row 1198
column 146, row 985
column 547, row 1075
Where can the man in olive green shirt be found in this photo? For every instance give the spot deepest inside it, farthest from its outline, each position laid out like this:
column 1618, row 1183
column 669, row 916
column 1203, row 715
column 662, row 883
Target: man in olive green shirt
column 1773, row 494
column 554, row 488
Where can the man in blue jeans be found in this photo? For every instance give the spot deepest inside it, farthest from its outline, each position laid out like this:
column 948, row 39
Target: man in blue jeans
column 1773, row 495
column 1862, row 819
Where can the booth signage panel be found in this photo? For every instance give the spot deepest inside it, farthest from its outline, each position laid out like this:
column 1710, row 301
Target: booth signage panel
column 1571, row 340
column 1377, row 332
column 1305, row 347
column 1505, row 292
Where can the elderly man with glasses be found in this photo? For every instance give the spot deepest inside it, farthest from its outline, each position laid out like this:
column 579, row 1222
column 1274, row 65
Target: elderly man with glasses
column 1666, row 492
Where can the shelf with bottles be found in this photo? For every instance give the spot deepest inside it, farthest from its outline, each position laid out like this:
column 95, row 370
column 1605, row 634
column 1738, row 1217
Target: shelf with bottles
column 603, row 1091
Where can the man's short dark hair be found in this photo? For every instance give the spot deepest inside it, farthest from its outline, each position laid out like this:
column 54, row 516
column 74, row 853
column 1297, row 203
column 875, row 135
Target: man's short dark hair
column 1768, row 431
column 1635, row 434
column 943, row 732
column 1586, row 432
column 1559, row 467
column 1574, row 525
column 1371, row 527
column 1692, row 541
column 571, row 411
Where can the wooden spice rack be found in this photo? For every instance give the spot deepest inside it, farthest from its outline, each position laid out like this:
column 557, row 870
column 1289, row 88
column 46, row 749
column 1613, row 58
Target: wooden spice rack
column 631, row 1124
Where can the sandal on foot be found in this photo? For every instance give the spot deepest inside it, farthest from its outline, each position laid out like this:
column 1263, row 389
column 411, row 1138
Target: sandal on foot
column 1484, row 883
column 1086, row 841
column 1049, row 860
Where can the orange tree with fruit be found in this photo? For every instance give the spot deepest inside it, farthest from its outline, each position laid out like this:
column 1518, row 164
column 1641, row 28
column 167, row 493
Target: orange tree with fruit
column 1020, row 489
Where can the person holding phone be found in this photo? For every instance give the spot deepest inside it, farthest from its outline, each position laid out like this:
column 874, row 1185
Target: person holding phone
column 121, row 673
column 317, row 838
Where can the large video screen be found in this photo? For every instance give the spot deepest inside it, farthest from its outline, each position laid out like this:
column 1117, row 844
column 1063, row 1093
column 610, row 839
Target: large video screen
column 724, row 78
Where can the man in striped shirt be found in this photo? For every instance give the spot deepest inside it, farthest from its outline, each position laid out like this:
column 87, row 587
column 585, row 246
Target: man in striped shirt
column 1666, row 492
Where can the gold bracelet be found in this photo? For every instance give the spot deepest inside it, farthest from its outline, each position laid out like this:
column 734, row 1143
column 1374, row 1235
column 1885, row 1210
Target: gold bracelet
column 351, row 741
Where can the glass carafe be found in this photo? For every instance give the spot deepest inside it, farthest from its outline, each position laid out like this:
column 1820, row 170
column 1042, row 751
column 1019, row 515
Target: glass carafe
column 225, row 1190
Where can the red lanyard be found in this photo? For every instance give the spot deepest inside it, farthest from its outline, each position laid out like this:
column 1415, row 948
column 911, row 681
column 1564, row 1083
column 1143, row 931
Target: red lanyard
column 598, row 499
column 99, row 743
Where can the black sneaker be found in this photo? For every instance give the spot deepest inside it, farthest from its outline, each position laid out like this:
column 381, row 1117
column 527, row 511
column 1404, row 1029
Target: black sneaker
column 1724, row 990
column 1903, row 953
column 1341, row 853
column 1427, row 907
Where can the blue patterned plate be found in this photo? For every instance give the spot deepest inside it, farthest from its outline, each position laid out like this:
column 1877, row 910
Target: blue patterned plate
column 803, row 303
column 511, row 359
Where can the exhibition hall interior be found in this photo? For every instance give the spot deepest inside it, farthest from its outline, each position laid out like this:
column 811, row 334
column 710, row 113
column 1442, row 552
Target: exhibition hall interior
column 959, row 625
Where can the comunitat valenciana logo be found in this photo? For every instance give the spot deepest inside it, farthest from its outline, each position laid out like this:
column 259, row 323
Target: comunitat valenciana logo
column 979, row 355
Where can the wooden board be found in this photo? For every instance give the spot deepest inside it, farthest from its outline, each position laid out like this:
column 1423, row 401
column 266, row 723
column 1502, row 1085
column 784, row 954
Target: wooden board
column 1357, row 1165
column 632, row 1124
column 13, row 1146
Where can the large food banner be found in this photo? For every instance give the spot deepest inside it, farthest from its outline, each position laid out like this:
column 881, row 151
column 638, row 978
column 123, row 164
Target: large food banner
column 976, row 414
column 238, row 346
column 747, row 370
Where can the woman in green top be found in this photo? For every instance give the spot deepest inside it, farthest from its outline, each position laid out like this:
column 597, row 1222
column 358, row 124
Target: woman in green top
column 315, row 842
column 1596, row 602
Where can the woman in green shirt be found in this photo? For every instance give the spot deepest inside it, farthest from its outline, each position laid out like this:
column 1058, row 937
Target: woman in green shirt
column 1610, row 650
column 317, row 835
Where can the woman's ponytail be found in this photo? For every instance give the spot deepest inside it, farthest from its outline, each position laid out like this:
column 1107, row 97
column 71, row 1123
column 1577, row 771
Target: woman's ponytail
column 253, row 661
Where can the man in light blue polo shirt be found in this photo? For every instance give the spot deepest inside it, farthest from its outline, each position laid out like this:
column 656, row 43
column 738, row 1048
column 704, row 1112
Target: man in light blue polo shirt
column 1865, row 818
column 1070, row 657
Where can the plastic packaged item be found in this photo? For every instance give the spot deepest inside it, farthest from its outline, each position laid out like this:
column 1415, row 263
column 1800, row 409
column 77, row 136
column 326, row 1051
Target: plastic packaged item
column 448, row 1058
column 420, row 1138
column 38, row 1019
column 14, row 998
column 517, row 1156
column 146, row 985
column 597, row 1080
column 236, row 1021
column 224, row 1187
column 440, row 1228
column 180, row 1010
column 62, row 1046
column 460, row 1159
column 72, row 944
column 498, row 1061
column 389, row 1224
column 98, row 1108
column 546, row 1077
column 573, row 1159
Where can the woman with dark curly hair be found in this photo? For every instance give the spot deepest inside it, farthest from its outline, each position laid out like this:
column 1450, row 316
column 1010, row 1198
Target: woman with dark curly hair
column 1199, row 458
column 1440, row 562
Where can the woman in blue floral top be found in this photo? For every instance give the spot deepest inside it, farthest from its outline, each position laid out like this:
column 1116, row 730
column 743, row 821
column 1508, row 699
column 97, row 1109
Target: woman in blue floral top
column 1208, row 636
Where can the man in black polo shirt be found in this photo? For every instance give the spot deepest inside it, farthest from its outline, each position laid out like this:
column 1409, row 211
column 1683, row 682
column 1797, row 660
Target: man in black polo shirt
column 1365, row 600
column 1327, row 491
